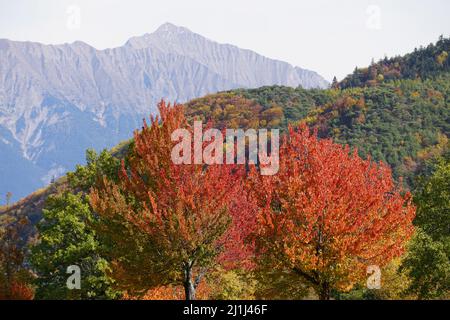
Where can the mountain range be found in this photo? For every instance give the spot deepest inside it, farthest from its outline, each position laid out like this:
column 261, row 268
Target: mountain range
column 58, row 100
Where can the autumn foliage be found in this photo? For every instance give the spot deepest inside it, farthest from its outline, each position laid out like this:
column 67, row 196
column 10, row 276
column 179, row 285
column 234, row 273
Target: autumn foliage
column 188, row 217
column 174, row 231
column 17, row 291
column 324, row 218
column 328, row 214
column 14, row 278
column 171, row 292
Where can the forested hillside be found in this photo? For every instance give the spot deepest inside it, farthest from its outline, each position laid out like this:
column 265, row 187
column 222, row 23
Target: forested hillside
column 423, row 63
column 402, row 122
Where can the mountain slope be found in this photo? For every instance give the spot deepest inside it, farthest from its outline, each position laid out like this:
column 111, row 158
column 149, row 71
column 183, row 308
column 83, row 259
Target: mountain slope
column 58, row 100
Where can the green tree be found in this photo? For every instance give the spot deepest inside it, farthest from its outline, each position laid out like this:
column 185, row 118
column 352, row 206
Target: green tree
column 428, row 259
column 66, row 239
column 433, row 202
column 96, row 166
column 428, row 266
column 8, row 198
column 335, row 83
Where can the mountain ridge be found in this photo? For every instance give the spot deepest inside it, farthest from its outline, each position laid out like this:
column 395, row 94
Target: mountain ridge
column 58, row 100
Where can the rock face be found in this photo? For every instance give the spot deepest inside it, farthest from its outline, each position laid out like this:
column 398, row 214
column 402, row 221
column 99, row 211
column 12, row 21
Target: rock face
column 58, row 100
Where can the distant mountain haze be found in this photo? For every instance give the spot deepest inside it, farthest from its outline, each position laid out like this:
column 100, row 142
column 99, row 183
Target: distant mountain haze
column 58, row 100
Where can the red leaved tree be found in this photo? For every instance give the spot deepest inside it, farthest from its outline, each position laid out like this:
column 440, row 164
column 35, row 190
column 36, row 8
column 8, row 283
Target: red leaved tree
column 17, row 291
column 328, row 214
column 15, row 279
column 168, row 224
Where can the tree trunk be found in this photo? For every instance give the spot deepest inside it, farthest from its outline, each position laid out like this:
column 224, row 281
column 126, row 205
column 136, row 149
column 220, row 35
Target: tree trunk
column 324, row 291
column 189, row 287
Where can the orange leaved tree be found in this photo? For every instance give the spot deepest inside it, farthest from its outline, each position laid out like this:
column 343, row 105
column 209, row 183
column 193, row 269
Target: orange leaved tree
column 328, row 214
column 167, row 223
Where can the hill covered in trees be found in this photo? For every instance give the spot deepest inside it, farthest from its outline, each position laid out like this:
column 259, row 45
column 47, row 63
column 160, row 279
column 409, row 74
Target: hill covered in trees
column 423, row 63
column 402, row 122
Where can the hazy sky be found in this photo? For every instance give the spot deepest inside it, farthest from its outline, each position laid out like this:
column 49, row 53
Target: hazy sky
column 330, row 37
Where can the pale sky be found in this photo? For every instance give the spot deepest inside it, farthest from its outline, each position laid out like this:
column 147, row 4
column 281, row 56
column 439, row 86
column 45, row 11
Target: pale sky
column 327, row 36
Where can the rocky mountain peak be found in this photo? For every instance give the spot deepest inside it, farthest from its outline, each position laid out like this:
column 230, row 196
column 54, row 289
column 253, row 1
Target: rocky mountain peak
column 58, row 100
